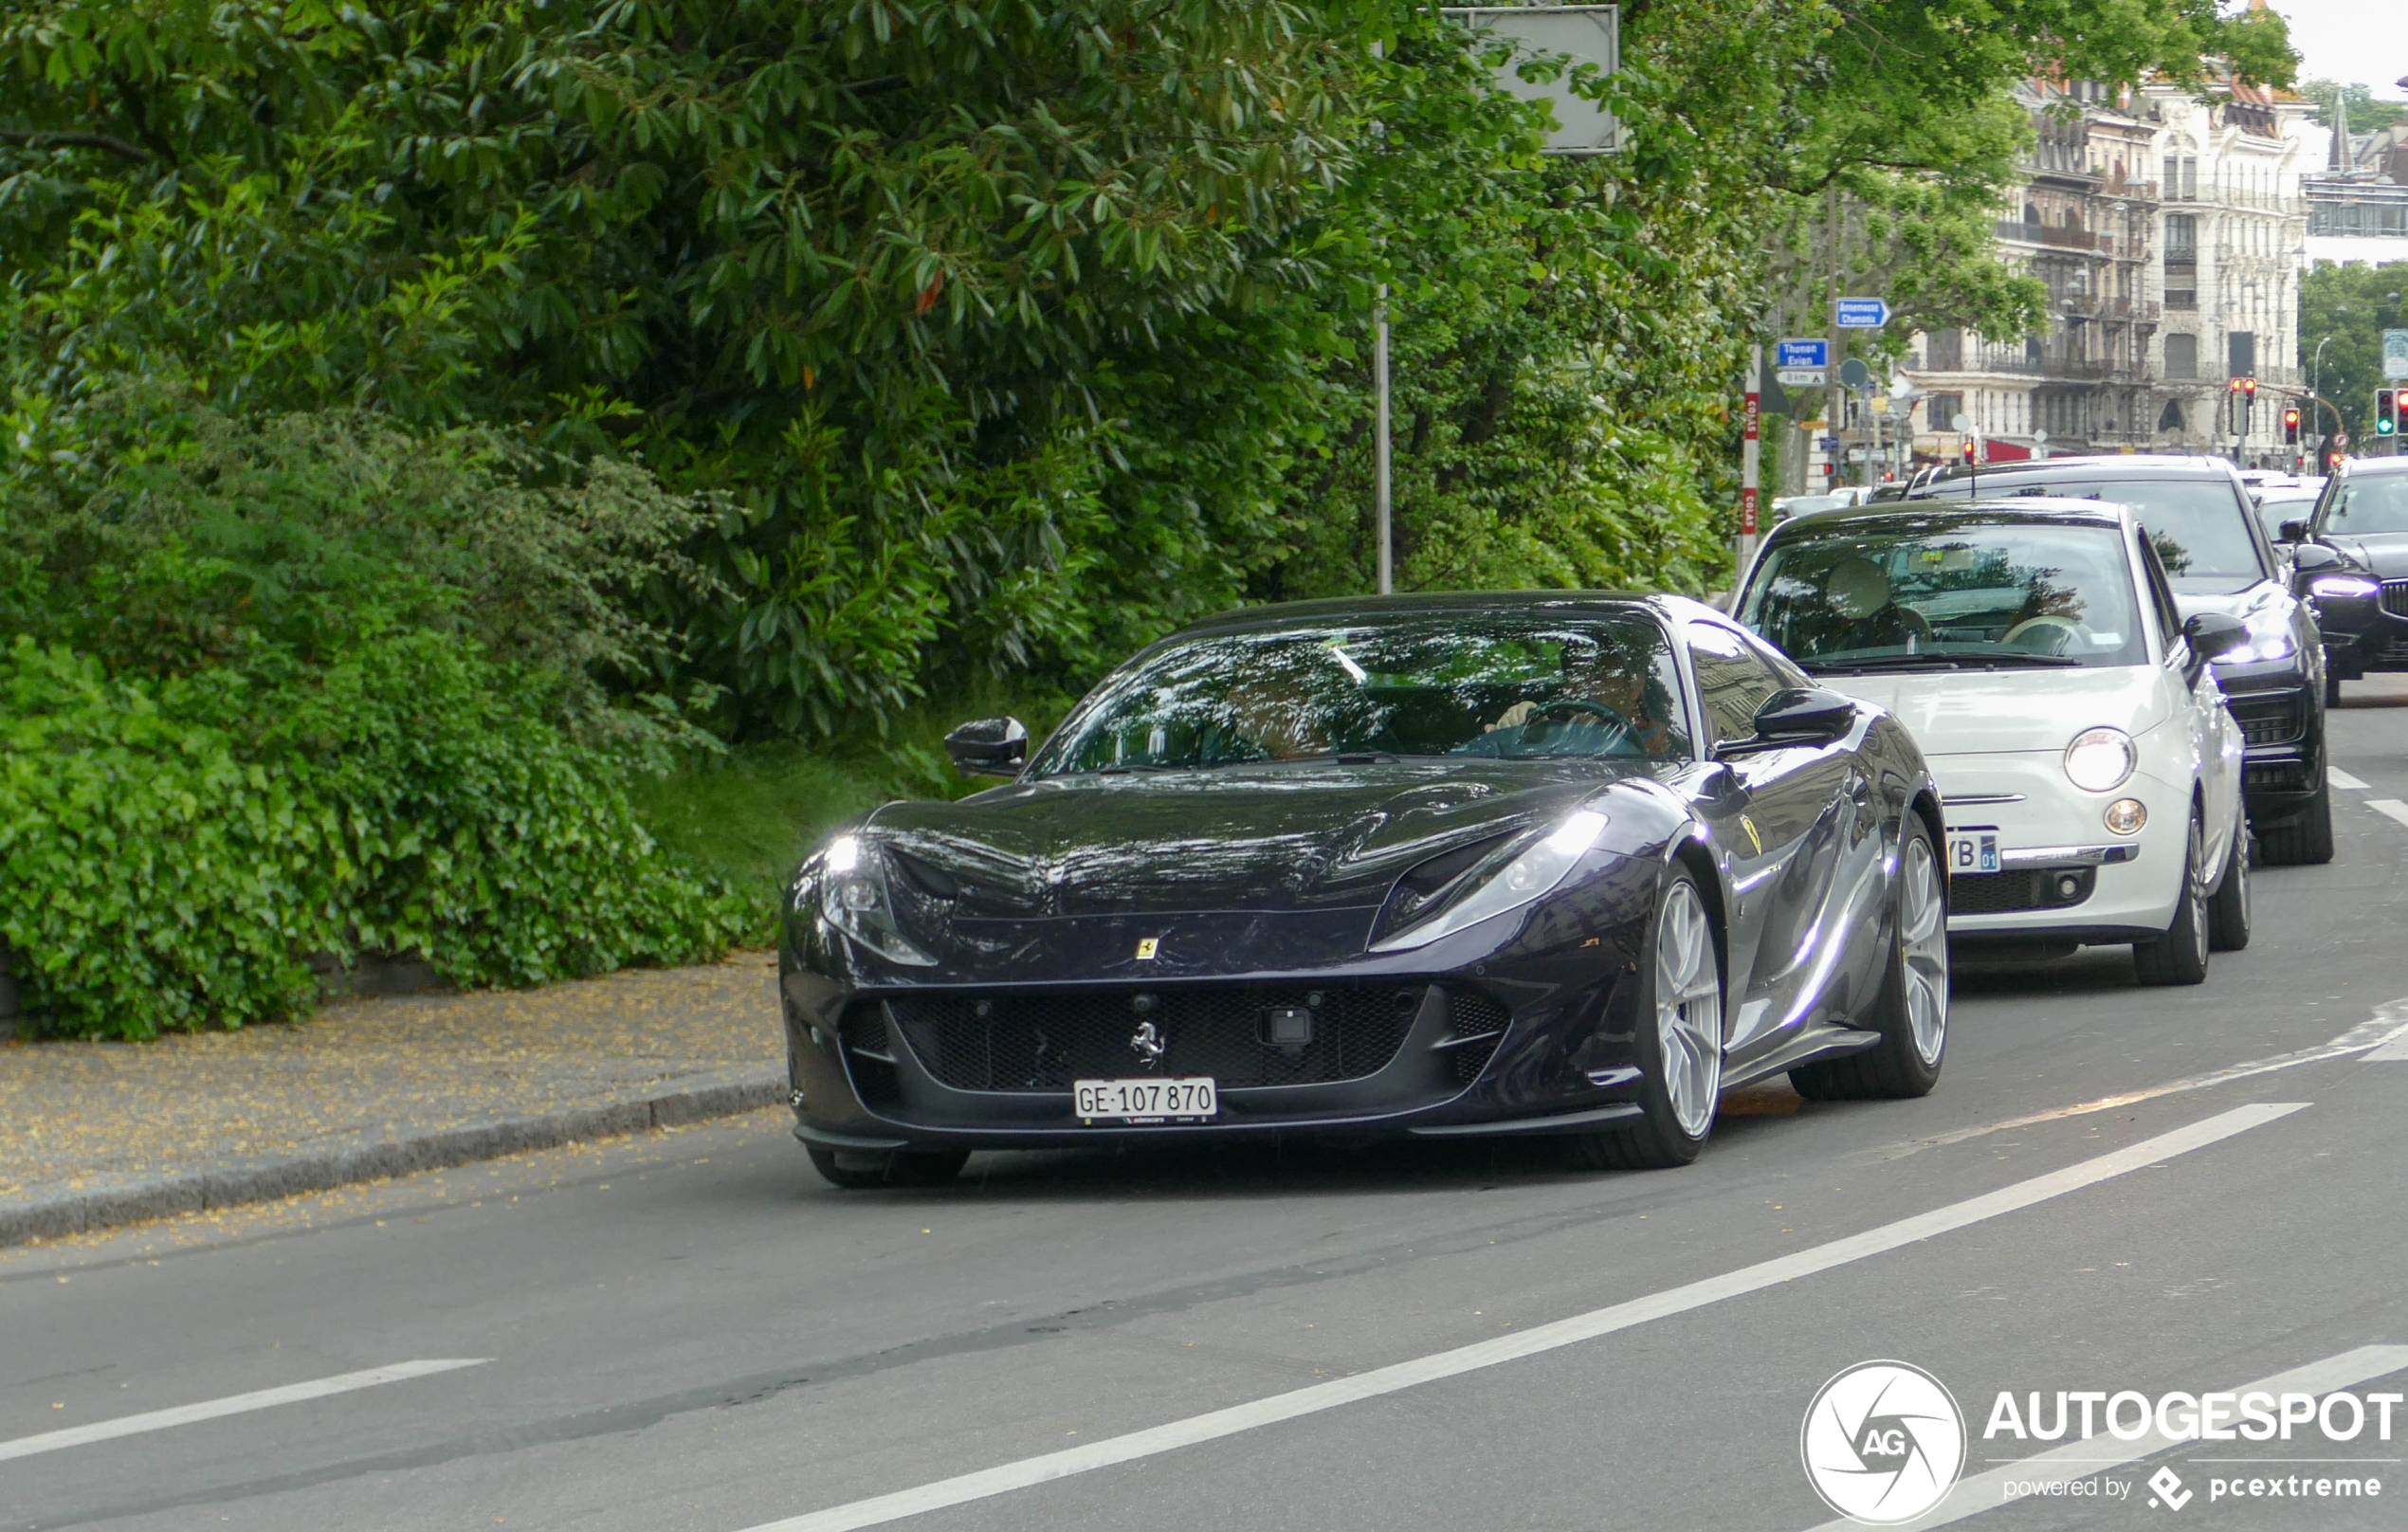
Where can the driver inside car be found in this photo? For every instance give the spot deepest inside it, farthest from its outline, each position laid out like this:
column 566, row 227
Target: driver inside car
column 1858, row 593
column 1603, row 679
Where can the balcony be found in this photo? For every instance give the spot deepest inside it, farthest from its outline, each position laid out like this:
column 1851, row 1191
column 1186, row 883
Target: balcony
column 2049, row 234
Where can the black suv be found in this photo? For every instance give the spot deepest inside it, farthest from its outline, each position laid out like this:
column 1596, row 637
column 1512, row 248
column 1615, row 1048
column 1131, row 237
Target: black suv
column 2352, row 553
column 2200, row 518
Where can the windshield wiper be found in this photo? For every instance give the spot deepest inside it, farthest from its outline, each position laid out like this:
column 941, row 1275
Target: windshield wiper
column 1938, row 660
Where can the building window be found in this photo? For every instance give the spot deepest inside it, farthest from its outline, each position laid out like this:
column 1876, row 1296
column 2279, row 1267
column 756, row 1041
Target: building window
column 2182, row 356
column 2181, row 237
column 1944, row 350
column 2241, row 348
column 2172, row 419
column 1942, row 411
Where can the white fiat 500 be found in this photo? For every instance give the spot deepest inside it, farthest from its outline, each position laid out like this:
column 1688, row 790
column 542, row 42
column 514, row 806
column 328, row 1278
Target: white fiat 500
column 2090, row 773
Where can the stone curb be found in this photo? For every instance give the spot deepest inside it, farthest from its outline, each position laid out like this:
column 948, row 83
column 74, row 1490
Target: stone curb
column 259, row 1180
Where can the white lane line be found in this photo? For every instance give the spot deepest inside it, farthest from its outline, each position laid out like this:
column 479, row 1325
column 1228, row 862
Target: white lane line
column 881, row 1509
column 234, row 1404
column 2089, row 1459
column 2385, row 1032
column 2389, row 808
column 2342, row 779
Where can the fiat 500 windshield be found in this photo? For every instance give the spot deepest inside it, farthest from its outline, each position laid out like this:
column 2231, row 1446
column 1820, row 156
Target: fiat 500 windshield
column 1949, row 592
column 1496, row 688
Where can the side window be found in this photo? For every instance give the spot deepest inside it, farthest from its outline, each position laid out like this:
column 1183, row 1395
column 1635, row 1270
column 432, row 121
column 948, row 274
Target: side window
column 1733, row 681
column 2169, row 617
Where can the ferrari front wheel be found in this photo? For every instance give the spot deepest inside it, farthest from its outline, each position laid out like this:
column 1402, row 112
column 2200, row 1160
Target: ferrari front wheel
column 1679, row 1040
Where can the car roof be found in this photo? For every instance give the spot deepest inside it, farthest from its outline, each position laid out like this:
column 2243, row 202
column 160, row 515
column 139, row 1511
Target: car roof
column 2356, row 466
column 2139, row 465
column 1425, row 603
column 2032, row 509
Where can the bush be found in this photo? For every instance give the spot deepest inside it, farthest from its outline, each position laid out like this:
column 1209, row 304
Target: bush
column 172, row 850
column 312, row 683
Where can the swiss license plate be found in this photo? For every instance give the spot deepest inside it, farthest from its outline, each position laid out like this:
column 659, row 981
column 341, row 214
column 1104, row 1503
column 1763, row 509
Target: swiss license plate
column 1973, row 850
column 1146, row 1101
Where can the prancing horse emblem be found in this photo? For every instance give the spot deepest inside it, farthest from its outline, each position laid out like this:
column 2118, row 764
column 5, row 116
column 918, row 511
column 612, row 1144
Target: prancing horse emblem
column 1145, row 948
column 1147, row 1043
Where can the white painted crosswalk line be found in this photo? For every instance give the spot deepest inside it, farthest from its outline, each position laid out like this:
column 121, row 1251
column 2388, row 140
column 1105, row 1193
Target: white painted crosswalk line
column 1045, row 1468
column 234, row 1404
column 2342, row 779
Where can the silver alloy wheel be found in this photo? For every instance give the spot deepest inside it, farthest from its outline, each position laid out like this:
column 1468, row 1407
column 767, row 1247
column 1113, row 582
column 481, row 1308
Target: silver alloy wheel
column 2196, row 893
column 1922, row 943
column 1689, row 1009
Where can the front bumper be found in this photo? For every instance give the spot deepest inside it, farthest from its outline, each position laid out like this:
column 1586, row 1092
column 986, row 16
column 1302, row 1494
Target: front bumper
column 2062, row 874
column 2280, row 708
column 927, row 1068
column 2383, row 644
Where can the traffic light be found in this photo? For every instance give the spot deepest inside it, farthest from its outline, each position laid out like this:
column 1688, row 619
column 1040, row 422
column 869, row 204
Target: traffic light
column 2249, row 389
column 2386, row 412
column 2290, row 425
column 1965, row 451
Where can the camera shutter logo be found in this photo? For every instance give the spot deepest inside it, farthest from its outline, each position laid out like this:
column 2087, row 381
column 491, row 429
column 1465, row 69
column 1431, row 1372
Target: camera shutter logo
column 1883, row 1443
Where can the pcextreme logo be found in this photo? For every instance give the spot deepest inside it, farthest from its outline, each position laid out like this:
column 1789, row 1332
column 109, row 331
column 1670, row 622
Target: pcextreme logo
column 1883, row 1443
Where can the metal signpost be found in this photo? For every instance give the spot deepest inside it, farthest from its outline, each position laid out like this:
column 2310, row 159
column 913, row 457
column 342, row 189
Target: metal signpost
column 1578, row 34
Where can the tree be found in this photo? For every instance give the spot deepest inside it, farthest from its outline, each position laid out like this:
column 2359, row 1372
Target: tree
column 2343, row 311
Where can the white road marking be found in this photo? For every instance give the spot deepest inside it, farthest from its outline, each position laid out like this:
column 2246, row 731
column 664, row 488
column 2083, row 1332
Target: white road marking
column 2082, row 1459
column 2342, row 779
column 2389, row 808
column 2385, row 1032
column 880, row 1509
column 234, row 1404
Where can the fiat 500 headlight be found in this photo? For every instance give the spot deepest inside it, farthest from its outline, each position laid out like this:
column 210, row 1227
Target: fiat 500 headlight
column 2099, row 760
column 1542, row 866
column 854, row 897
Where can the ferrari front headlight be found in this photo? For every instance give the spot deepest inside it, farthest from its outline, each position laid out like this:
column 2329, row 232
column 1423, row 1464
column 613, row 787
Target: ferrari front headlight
column 2099, row 760
column 1541, row 866
column 854, row 899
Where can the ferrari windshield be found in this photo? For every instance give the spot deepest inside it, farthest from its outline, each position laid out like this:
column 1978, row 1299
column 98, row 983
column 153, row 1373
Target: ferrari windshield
column 2368, row 502
column 1459, row 684
column 1948, row 591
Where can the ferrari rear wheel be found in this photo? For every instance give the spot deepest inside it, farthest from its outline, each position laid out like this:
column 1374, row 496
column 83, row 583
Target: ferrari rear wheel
column 860, row 1171
column 1679, row 1041
column 1911, row 1012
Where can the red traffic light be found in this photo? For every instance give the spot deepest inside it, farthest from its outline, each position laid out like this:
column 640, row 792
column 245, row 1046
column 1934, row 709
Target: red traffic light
column 2290, row 417
column 2249, row 386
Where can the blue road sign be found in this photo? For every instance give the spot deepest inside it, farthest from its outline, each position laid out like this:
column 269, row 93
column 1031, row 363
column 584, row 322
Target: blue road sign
column 1790, row 355
column 1860, row 313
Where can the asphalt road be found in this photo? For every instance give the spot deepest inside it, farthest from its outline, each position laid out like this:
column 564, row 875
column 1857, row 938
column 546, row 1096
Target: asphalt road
column 693, row 1332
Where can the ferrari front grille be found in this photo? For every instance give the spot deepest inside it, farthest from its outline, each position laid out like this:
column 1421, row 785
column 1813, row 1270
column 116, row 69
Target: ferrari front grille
column 1240, row 1034
column 1481, row 1022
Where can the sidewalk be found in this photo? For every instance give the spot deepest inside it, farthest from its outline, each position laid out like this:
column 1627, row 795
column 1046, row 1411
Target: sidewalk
column 99, row 1134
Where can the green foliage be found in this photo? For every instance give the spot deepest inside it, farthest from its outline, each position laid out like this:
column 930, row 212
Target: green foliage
column 2366, row 114
column 172, row 850
column 281, row 686
column 2345, row 310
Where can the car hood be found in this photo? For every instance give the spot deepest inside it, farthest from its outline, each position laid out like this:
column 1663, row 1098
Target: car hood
column 1260, row 839
column 1975, row 712
column 2384, row 553
column 2244, row 603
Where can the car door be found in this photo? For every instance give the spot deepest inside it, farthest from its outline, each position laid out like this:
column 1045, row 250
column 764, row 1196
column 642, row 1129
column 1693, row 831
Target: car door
column 1784, row 833
column 2195, row 706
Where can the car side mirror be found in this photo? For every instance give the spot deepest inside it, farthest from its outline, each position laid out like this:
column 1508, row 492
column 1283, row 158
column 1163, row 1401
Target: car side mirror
column 2212, row 634
column 989, row 747
column 1800, row 715
column 2293, row 531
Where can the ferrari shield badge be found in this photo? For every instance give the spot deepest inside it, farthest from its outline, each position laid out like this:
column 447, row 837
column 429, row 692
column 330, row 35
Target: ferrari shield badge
column 1146, row 946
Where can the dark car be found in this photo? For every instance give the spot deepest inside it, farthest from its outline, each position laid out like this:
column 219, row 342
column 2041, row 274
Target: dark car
column 2352, row 555
column 2206, row 532
column 1434, row 867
